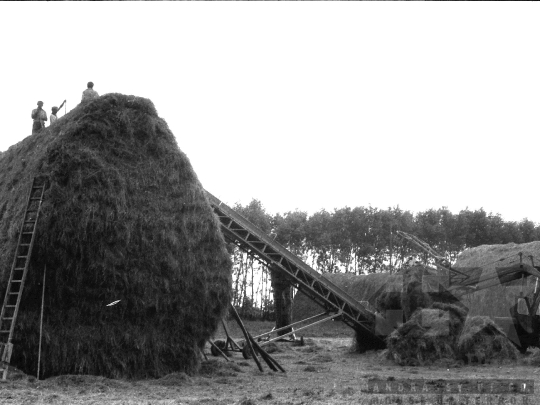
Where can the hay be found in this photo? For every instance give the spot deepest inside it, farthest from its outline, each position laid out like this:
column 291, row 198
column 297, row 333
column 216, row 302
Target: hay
column 482, row 341
column 487, row 254
column 124, row 217
column 439, row 329
column 481, row 262
column 414, row 297
column 444, row 332
column 428, row 336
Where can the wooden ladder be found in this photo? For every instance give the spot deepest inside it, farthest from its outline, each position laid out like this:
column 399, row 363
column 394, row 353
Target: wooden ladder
column 19, row 269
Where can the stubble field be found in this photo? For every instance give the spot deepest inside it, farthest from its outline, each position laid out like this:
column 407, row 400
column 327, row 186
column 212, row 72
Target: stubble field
column 325, row 370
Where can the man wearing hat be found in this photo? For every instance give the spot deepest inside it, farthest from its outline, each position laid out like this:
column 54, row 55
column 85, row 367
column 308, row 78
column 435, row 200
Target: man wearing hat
column 39, row 116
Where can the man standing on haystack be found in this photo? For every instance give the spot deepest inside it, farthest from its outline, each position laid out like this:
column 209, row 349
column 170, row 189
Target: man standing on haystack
column 39, row 116
column 89, row 93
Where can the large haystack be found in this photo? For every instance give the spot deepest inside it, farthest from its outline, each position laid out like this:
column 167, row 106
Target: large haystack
column 124, row 218
column 497, row 301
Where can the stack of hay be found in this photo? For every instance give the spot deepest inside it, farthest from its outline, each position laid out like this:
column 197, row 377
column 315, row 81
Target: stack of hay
column 430, row 334
column 124, row 218
column 497, row 301
column 438, row 327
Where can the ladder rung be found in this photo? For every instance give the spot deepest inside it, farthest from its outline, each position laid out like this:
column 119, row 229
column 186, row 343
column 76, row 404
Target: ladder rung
column 35, row 198
column 14, row 293
column 11, row 306
column 22, row 257
column 16, row 281
column 19, row 268
column 24, row 244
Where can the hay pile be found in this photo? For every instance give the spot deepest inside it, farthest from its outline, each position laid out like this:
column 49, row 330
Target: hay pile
column 497, row 301
column 438, row 328
column 429, row 335
column 444, row 333
column 482, row 341
column 124, row 218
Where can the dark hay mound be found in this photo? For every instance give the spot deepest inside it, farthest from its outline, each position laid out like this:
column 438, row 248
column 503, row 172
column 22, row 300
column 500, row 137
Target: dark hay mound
column 414, row 295
column 445, row 333
column 482, row 341
column 428, row 336
column 124, row 218
column 482, row 261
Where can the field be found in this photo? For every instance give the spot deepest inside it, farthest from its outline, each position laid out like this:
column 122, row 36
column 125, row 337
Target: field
column 323, row 371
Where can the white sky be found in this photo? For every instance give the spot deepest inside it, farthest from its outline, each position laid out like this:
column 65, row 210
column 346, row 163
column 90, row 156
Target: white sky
column 306, row 105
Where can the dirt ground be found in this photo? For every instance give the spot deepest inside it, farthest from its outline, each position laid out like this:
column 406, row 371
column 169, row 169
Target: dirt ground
column 323, row 371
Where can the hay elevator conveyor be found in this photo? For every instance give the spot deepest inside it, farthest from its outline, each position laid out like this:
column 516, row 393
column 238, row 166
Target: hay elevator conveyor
column 250, row 238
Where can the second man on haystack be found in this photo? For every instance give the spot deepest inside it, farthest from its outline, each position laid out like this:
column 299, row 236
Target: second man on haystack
column 89, row 93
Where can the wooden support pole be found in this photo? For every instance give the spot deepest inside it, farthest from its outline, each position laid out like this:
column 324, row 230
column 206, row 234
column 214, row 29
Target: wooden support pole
column 219, row 350
column 247, row 336
column 41, row 321
column 272, row 363
column 204, row 354
column 229, row 340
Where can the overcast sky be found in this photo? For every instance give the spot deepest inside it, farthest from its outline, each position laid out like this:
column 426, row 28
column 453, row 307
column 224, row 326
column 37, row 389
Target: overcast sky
column 306, row 105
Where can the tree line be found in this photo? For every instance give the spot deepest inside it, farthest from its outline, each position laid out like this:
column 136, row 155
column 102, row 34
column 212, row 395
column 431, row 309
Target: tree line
column 363, row 240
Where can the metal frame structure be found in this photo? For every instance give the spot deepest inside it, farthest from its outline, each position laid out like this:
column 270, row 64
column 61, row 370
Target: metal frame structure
column 230, row 345
column 250, row 238
column 455, row 276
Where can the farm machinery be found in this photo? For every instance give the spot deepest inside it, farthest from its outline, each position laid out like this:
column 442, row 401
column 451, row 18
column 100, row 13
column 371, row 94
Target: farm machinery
column 522, row 326
column 371, row 326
